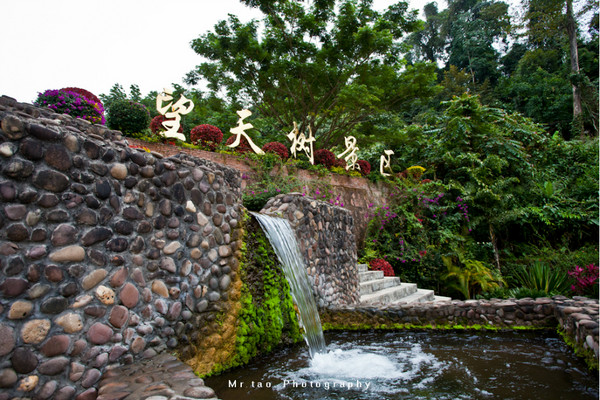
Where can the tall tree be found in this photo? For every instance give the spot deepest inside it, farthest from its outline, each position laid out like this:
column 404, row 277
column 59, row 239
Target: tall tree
column 553, row 25
column 326, row 64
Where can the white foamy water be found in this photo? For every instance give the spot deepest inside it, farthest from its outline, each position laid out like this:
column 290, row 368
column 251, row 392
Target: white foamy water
column 355, row 364
column 365, row 369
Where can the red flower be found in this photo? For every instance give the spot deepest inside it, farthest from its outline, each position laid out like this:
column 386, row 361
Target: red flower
column 379, row 264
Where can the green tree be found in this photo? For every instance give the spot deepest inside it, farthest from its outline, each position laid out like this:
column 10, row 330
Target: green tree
column 472, row 28
column 326, row 64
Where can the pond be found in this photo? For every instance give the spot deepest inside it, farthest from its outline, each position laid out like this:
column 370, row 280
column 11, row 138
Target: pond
column 416, row 365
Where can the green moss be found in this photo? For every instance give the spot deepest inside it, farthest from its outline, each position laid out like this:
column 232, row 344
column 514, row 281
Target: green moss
column 267, row 317
column 587, row 354
column 408, row 326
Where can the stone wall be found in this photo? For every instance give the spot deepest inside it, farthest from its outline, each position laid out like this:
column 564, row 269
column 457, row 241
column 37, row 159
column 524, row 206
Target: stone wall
column 356, row 193
column 325, row 235
column 108, row 254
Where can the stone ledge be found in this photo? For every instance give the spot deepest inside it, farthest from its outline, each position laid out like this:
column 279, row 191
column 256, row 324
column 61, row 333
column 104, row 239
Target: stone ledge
column 577, row 317
column 163, row 377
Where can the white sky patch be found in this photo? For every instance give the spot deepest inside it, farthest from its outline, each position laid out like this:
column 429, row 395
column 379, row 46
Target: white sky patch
column 94, row 44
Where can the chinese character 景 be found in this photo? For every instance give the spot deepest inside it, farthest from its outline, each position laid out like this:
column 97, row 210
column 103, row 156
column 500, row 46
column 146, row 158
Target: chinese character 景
column 351, row 157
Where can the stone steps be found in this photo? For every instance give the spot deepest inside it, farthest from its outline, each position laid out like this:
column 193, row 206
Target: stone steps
column 375, row 288
column 369, row 276
column 374, row 285
column 389, row 295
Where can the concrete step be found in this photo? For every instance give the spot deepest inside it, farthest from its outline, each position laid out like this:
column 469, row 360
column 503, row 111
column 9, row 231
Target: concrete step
column 420, row 296
column 363, row 267
column 378, row 284
column 369, row 276
column 390, row 294
column 442, row 298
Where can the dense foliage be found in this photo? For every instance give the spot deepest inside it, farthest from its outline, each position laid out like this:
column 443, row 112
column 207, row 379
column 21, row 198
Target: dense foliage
column 128, row 116
column 492, row 118
column 72, row 103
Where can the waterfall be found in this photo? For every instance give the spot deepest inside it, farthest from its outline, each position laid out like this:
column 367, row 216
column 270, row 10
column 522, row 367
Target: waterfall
column 283, row 240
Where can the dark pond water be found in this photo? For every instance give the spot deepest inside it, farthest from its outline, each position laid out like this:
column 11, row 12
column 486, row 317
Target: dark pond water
column 416, row 365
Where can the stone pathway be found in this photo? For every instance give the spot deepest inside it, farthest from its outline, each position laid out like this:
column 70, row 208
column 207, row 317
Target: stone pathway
column 163, row 377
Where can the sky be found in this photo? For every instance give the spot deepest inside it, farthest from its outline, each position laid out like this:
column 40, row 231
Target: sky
column 93, row 44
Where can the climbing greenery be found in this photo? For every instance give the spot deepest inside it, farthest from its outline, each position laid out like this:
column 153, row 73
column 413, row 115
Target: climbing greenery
column 267, row 317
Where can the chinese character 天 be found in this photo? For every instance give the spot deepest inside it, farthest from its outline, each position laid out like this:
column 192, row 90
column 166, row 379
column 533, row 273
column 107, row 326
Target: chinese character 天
column 240, row 129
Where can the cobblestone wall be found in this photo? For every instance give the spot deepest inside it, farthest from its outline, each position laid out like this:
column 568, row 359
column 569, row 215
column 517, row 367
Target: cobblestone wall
column 325, row 235
column 108, row 254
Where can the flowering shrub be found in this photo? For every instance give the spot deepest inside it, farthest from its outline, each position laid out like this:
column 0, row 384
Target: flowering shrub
column 243, row 147
column 157, row 127
column 365, row 167
column 340, row 163
column 85, row 93
column 277, row 148
column 73, row 104
column 379, row 264
column 206, row 135
column 128, row 116
column 325, row 157
column 586, row 280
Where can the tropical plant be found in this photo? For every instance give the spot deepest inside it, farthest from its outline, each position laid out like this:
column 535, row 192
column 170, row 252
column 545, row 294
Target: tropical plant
column 73, row 104
column 540, row 276
column 470, row 278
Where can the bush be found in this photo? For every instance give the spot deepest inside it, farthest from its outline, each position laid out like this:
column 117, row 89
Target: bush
column 379, row 264
column 325, row 157
column 365, row 167
column 277, row 148
column 128, row 117
column 73, row 104
column 85, row 93
column 586, row 280
column 206, row 135
column 243, row 147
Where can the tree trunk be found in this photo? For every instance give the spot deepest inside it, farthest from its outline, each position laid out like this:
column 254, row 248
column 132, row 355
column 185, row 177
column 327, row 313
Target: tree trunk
column 572, row 32
column 495, row 247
